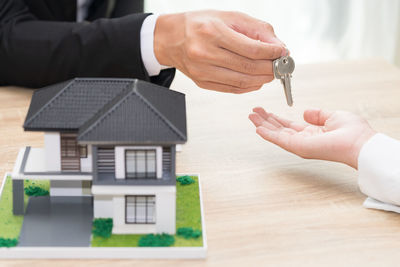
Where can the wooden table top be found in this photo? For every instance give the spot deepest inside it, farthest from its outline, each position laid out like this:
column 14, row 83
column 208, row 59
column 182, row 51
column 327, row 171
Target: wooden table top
column 264, row 206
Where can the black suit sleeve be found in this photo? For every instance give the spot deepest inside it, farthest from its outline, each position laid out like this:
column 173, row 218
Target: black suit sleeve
column 123, row 7
column 36, row 53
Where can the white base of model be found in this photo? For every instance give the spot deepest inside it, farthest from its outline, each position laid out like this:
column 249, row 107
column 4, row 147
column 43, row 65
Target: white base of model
column 103, row 253
column 109, row 252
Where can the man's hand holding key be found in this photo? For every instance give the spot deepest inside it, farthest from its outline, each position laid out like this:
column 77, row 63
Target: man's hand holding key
column 222, row 51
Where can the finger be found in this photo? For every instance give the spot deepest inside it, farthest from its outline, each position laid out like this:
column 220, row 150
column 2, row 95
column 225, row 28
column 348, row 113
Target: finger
column 316, row 116
column 225, row 88
column 282, row 121
column 267, row 116
column 270, row 123
column 258, row 121
column 233, row 61
column 256, row 29
column 230, row 77
column 261, row 111
column 297, row 126
column 247, row 47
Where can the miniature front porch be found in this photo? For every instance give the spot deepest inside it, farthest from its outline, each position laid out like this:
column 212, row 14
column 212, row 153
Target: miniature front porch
column 30, row 165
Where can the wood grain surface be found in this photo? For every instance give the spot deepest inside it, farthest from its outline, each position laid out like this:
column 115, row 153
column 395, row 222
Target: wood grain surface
column 264, row 206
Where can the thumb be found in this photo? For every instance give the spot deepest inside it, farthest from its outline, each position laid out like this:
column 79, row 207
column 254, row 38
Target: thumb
column 317, row 116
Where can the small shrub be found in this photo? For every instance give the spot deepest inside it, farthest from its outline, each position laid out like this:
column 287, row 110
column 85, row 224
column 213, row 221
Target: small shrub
column 35, row 191
column 102, row 227
column 152, row 240
column 185, row 180
column 8, row 242
column 188, row 232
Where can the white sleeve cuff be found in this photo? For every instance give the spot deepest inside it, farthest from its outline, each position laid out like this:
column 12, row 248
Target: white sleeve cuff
column 371, row 203
column 379, row 169
column 153, row 67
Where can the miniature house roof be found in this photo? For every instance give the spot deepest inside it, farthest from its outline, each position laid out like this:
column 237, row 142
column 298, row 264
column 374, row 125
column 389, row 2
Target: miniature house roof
column 109, row 111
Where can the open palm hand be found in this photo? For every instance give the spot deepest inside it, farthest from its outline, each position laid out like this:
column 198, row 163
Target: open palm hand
column 334, row 136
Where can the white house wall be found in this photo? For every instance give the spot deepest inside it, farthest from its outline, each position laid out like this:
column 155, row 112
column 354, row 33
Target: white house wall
column 66, row 188
column 165, row 213
column 52, row 145
column 103, row 206
column 120, row 159
column 122, row 190
column 119, row 162
column 86, row 163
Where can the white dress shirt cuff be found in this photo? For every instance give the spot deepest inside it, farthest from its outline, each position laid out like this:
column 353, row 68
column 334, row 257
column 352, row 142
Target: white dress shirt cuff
column 371, row 203
column 153, row 67
column 379, row 171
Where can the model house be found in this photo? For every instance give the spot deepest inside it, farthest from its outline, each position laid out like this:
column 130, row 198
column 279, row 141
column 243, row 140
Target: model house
column 112, row 139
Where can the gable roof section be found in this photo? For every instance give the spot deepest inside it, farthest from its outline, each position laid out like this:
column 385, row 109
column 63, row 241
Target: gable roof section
column 132, row 120
column 111, row 111
column 169, row 105
column 68, row 105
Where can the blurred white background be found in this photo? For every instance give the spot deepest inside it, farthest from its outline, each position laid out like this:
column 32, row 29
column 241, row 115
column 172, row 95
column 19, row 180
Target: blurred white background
column 316, row 30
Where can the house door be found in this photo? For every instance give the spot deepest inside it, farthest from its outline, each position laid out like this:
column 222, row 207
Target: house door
column 70, row 155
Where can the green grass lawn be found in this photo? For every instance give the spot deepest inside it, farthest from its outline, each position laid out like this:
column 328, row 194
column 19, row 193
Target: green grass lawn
column 188, row 214
column 10, row 225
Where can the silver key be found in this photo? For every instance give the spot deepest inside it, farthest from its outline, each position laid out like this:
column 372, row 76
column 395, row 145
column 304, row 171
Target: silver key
column 283, row 69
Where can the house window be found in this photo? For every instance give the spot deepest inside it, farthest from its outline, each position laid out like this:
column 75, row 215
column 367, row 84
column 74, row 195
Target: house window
column 83, row 151
column 69, row 147
column 140, row 209
column 70, row 159
column 140, row 163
